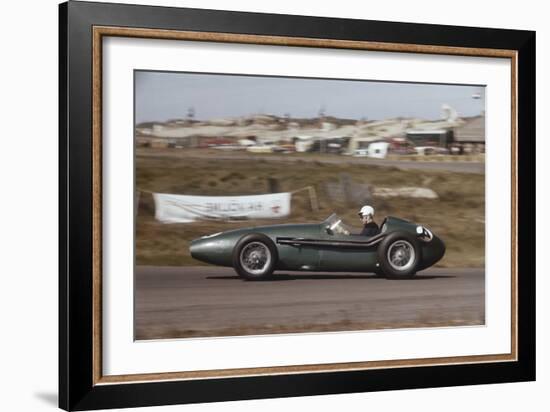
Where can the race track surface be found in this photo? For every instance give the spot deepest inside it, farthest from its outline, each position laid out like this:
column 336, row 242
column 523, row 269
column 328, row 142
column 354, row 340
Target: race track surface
column 179, row 302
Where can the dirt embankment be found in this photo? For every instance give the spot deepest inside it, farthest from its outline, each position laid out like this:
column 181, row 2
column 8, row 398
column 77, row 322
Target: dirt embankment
column 457, row 215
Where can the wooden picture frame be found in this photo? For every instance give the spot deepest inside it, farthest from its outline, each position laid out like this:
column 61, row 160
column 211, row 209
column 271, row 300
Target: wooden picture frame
column 83, row 26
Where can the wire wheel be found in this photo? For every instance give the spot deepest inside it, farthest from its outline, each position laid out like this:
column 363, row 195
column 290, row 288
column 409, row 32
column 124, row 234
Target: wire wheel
column 401, row 255
column 255, row 257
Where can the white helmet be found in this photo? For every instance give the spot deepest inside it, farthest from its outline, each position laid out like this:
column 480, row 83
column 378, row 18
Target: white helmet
column 366, row 210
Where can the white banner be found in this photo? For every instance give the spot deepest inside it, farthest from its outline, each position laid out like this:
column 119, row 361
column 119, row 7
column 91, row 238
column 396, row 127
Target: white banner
column 185, row 209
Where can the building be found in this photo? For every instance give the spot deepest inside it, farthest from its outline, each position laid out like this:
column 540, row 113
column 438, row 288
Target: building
column 470, row 136
column 431, row 138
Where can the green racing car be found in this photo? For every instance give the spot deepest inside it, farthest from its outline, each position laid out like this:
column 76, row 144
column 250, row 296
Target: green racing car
column 401, row 249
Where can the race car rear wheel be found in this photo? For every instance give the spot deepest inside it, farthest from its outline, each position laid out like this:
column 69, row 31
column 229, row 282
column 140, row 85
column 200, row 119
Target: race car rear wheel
column 255, row 256
column 399, row 255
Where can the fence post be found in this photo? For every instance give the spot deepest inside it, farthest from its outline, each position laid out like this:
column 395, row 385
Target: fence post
column 313, row 199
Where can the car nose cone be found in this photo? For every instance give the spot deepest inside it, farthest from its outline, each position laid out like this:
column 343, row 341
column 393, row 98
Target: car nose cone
column 438, row 247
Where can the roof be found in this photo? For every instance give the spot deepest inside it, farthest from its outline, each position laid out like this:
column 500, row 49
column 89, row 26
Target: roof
column 473, row 130
column 428, row 132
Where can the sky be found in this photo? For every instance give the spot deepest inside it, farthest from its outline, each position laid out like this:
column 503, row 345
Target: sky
column 160, row 96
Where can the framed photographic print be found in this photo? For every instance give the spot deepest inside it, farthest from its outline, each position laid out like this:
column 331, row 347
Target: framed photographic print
column 259, row 205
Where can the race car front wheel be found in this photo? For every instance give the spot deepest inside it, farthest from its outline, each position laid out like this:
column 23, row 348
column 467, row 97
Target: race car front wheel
column 399, row 255
column 255, row 256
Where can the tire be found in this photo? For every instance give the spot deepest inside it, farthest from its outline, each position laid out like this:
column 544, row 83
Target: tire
column 399, row 255
column 255, row 256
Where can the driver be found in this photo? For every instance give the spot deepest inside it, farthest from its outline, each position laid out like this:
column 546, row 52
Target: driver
column 370, row 228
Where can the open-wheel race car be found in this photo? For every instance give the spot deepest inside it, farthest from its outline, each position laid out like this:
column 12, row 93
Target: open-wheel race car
column 401, row 249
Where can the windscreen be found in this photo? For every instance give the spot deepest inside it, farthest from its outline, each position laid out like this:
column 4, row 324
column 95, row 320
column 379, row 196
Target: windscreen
column 336, row 226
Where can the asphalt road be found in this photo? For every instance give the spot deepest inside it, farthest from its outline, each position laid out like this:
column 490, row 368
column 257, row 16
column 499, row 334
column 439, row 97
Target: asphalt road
column 178, row 302
column 453, row 166
column 456, row 167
